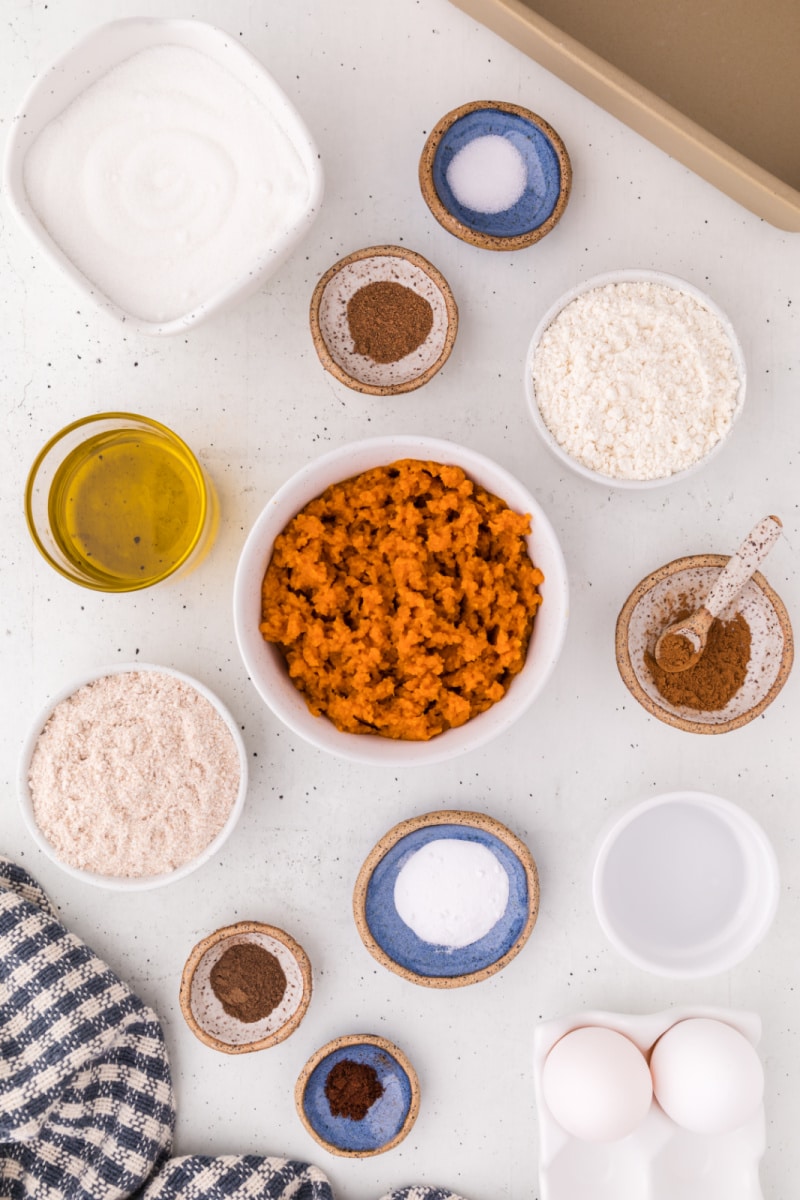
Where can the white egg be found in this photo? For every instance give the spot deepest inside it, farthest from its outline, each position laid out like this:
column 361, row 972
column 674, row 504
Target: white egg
column 596, row 1084
column 706, row 1076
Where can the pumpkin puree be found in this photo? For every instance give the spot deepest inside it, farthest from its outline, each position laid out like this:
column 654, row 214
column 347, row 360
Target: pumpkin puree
column 402, row 600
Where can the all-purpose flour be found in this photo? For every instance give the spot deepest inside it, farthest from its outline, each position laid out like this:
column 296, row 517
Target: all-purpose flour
column 165, row 181
column 636, row 380
column 133, row 775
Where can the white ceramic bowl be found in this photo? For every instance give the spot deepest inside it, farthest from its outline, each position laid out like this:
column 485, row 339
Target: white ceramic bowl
column 113, row 882
column 628, row 276
column 91, row 58
column 685, row 885
column 265, row 663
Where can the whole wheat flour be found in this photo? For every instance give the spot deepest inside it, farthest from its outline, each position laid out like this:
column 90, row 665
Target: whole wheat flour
column 636, row 380
column 133, row 775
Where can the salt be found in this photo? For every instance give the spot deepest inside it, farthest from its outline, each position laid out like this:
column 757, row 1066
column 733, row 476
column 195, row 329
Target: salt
column 451, row 892
column 488, row 175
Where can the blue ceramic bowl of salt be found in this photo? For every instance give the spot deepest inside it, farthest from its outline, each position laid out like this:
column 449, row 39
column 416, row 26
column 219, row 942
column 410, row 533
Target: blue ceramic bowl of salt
column 495, row 175
column 398, row 947
column 386, row 1121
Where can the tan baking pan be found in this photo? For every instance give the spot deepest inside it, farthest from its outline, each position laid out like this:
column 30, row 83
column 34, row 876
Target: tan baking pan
column 716, row 85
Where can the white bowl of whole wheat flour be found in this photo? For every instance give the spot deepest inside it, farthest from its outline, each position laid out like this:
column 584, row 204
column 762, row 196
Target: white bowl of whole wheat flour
column 132, row 776
column 635, row 378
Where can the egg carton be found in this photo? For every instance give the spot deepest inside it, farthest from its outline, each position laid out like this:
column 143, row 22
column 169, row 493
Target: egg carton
column 659, row 1160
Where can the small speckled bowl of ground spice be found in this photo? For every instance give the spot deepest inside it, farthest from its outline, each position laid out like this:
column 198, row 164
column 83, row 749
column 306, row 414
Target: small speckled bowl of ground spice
column 358, row 1096
column 383, row 320
column 746, row 662
column 245, row 987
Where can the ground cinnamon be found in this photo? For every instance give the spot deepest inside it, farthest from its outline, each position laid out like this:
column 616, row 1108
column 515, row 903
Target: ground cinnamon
column 716, row 677
column 248, row 981
column 675, row 652
column 352, row 1088
column 388, row 321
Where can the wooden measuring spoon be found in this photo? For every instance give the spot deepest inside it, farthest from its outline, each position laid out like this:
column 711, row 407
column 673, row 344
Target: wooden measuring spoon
column 682, row 643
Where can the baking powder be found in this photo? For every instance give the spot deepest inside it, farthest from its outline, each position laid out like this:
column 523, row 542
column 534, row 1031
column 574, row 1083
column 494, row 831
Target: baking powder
column 451, row 892
column 133, row 775
column 636, row 380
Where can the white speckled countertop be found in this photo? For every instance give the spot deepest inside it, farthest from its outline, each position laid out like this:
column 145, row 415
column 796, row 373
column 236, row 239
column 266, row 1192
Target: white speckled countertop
column 249, row 395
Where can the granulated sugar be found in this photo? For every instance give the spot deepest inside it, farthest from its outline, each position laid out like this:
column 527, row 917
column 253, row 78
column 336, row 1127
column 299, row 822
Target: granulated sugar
column 133, row 775
column 636, row 380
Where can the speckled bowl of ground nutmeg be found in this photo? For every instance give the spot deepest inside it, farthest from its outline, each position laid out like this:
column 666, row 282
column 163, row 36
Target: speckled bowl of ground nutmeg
column 747, row 659
column 383, row 320
column 412, row 642
column 245, row 987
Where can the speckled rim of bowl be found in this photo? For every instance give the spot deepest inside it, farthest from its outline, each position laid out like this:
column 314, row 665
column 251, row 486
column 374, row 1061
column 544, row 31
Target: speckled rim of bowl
column 745, row 830
column 267, row 668
column 357, row 1039
column 239, row 929
column 329, row 362
column 114, row 882
column 631, row 275
column 92, row 56
column 487, row 241
column 445, row 817
column 625, row 664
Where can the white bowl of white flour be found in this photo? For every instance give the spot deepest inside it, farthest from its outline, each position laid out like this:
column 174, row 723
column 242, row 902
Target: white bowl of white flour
column 635, row 378
column 132, row 777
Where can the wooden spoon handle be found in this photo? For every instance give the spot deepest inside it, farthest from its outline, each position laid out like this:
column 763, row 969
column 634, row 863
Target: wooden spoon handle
column 752, row 552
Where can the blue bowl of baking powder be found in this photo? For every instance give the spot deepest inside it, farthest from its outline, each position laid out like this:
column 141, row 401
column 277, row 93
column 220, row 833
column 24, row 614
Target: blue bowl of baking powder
column 398, row 947
column 507, row 145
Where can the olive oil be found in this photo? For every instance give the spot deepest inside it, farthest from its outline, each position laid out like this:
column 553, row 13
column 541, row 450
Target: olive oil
column 127, row 507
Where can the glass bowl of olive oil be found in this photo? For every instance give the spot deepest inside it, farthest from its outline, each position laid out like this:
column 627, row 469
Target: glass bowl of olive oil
column 118, row 502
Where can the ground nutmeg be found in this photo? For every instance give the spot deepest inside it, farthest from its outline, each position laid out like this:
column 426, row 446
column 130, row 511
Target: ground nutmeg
column 248, row 981
column 718, row 674
column 388, row 320
column 352, row 1088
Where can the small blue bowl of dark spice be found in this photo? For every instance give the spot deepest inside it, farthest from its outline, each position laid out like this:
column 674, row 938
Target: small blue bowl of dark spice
column 358, row 1096
column 495, row 175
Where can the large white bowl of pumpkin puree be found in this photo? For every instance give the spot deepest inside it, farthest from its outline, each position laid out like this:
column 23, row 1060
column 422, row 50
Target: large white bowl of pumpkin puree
column 161, row 167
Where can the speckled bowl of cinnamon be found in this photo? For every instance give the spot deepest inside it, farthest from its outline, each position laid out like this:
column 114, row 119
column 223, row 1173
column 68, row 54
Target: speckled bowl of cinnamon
column 746, row 662
column 383, row 320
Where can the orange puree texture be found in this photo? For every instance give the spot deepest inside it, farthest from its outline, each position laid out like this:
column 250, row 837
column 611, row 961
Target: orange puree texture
column 402, row 599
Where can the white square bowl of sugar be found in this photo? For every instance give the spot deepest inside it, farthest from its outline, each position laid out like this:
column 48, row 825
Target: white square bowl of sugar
column 162, row 169
column 634, row 379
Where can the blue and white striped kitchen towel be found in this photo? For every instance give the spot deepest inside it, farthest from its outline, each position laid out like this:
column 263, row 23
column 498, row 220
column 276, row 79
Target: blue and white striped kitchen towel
column 87, row 1110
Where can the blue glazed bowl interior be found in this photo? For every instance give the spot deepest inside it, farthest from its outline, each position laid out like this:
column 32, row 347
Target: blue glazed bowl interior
column 400, row 942
column 383, row 1120
column 542, row 166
